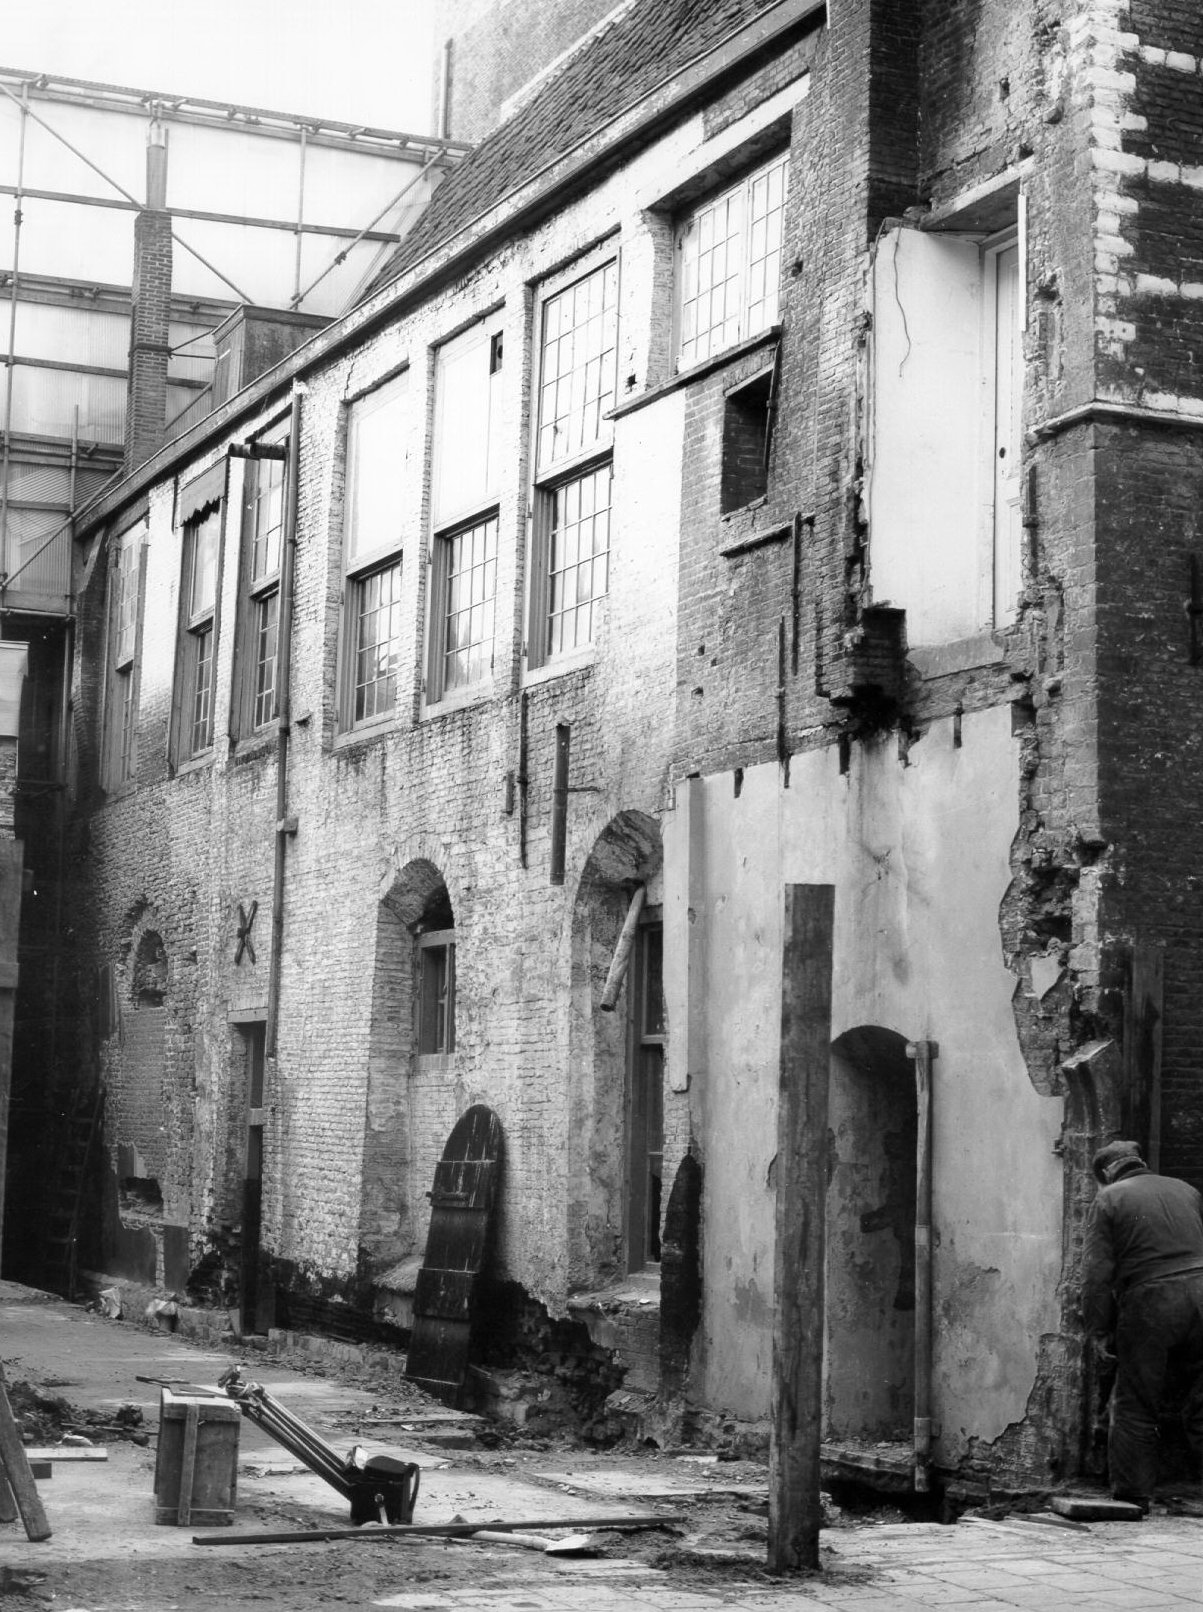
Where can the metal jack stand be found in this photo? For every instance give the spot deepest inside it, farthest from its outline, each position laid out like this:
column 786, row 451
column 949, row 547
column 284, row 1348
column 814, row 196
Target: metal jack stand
column 381, row 1488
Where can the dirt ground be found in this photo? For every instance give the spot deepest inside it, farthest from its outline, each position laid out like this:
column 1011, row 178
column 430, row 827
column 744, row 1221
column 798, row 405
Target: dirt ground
column 68, row 1370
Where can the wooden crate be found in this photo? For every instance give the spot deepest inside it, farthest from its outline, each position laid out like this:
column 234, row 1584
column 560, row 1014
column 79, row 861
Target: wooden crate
column 196, row 1470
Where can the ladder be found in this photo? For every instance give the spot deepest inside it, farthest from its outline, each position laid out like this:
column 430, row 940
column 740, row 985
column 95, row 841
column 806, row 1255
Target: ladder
column 80, row 1131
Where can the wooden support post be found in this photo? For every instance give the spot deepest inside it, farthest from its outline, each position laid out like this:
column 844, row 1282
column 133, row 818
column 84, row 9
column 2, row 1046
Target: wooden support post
column 15, row 1468
column 798, row 1320
column 622, row 952
column 1141, row 1117
column 11, row 864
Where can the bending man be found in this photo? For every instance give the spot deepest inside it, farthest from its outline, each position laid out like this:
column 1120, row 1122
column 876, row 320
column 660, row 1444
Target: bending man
column 1143, row 1281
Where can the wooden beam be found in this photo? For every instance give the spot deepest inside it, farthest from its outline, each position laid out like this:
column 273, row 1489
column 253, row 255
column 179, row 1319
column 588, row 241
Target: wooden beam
column 798, row 1317
column 1141, row 1106
column 15, row 1466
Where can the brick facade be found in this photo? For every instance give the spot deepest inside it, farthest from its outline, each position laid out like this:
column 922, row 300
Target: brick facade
column 1007, row 815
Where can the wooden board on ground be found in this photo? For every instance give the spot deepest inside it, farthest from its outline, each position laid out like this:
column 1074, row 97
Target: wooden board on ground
column 18, row 1491
column 465, row 1185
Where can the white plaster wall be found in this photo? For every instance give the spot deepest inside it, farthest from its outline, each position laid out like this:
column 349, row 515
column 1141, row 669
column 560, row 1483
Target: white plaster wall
column 918, row 854
column 926, row 481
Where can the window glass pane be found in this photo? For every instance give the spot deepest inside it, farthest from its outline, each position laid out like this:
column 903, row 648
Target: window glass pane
column 201, row 648
column 471, row 582
column 577, row 365
column 267, row 517
column 266, row 638
column 467, row 417
column 202, row 585
column 436, row 998
column 579, row 557
column 729, row 264
column 374, row 457
column 126, row 713
column 126, row 584
column 377, row 625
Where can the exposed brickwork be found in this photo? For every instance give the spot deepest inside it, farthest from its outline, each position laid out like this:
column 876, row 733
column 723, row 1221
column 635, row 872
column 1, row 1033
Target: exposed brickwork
column 150, row 312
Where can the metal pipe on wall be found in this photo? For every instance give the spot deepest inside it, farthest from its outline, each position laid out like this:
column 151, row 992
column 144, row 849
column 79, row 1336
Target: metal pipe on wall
column 284, row 825
column 923, row 1054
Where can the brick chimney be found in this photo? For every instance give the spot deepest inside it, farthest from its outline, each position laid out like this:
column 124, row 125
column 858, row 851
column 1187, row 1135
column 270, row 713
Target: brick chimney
column 146, row 398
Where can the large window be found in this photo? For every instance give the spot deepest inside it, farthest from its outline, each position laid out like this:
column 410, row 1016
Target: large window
column 436, row 975
column 195, row 660
column 468, row 377
column 729, row 264
column 372, row 555
column 119, row 744
column 576, row 389
column 255, row 684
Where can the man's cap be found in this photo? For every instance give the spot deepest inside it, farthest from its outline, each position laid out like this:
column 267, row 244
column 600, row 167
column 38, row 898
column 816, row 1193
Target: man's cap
column 1112, row 1154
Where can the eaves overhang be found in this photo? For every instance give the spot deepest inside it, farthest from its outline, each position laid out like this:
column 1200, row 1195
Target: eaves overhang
column 595, row 155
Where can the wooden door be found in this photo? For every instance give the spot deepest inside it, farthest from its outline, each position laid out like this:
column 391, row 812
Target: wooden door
column 465, row 1185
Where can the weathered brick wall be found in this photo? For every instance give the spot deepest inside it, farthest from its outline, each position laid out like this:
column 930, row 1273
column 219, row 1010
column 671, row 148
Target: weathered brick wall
column 146, row 399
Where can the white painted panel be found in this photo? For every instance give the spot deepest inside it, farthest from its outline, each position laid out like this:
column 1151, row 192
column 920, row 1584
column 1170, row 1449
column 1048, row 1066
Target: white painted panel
column 1003, row 271
column 72, row 335
column 93, row 244
column 44, row 401
column 925, row 448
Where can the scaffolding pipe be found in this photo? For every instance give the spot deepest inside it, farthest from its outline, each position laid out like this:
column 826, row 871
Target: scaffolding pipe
column 296, row 280
column 109, row 180
column 340, row 257
column 23, row 103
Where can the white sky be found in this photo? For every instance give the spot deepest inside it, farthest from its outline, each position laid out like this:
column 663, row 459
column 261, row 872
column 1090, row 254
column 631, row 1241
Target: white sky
column 355, row 61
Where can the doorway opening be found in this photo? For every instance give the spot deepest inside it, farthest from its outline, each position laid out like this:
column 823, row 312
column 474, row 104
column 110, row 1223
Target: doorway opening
column 869, row 1389
column 645, row 1094
column 254, row 1297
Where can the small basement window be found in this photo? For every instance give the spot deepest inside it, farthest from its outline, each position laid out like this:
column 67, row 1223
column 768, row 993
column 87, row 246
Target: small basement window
column 745, row 473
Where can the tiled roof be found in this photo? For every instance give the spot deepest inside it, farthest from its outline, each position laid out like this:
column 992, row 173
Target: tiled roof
column 627, row 57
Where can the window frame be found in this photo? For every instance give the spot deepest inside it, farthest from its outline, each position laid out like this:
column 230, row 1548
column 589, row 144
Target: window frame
column 256, row 591
column 123, row 663
column 428, row 942
column 451, row 520
column 361, row 567
column 552, row 475
column 770, row 305
column 195, row 627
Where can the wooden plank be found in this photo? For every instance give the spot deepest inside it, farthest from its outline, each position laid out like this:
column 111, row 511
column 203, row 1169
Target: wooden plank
column 437, row 1530
column 798, row 1278
column 15, row 1466
column 444, row 1293
column 8, row 1505
column 188, row 1463
column 923, row 1052
column 66, row 1452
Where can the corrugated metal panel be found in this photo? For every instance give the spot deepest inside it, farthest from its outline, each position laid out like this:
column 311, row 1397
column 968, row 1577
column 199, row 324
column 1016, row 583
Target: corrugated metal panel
column 39, row 484
column 45, row 572
column 79, row 243
column 72, row 335
column 44, row 401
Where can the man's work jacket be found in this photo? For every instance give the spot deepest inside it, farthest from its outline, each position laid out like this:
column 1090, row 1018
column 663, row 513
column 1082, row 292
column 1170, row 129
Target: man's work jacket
column 1140, row 1228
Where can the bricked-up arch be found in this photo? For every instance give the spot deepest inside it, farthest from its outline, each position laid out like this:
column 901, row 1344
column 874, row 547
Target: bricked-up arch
column 137, row 1070
column 417, row 894
column 626, row 854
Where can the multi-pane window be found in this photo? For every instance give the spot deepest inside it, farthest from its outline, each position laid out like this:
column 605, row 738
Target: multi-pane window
column 121, row 704
column 468, row 380
column 197, row 634
column 256, row 683
column 372, row 554
column 729, row 264
column 576, row 389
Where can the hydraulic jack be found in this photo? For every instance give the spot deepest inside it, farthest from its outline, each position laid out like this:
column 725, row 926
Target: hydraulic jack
column 381, row 1488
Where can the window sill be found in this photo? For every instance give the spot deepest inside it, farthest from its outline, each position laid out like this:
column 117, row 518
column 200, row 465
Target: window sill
column 253, row 749
column 433, row 1063
column 696, row 372
column 366, row 731
column 962, row 655
column 581, row 660
column 193, row 764
column 463, row 698
column 753, row 526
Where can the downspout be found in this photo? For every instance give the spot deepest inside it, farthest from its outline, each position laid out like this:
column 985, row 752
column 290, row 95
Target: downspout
column 285, row 825
column 923, row 1054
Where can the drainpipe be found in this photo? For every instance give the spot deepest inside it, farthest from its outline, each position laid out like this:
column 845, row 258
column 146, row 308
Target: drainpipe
column 285, row 825
column 923, row 1054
